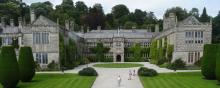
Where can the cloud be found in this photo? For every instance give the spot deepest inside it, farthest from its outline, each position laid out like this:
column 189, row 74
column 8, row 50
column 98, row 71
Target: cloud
column 157, row 6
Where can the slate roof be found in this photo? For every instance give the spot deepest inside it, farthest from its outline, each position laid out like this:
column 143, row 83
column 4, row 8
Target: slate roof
column 137, row 33
column 41, row 20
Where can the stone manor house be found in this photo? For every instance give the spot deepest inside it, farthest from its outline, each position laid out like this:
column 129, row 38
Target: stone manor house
column 188, row 38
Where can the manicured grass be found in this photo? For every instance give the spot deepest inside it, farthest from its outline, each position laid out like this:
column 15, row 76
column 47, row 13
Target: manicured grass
column 59, row 81
column 178, row 80
column 118, row 65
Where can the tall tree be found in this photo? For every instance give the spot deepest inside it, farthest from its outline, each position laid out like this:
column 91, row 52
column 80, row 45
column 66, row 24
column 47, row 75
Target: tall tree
column 204, row 17
column 120, row 10
column 194, row 12
column 216, row 29
column 180, row 13
column 95, row 17
column 42, row 8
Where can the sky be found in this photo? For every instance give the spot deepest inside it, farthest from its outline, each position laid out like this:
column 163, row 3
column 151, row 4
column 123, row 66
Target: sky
column 157, row 6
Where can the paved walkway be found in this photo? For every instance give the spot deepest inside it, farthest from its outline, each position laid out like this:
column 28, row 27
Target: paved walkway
column 108, row 76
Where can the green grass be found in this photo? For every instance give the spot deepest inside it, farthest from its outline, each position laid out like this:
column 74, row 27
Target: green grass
column 118, row 65
column 59, row 81
column 178, row 80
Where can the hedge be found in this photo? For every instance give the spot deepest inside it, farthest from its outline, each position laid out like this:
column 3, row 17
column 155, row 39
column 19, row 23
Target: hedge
column 9, row 70
column 26, row 64
column 209, row 61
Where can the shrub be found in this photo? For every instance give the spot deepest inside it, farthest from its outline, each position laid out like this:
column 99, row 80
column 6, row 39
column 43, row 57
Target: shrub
column 161, row 61
column 209, row 61
column 143, row 71
column 218, row 68
column 9, row 70
column 177, row 65
column 26, row 64
column 53, row 66
column 88, row 72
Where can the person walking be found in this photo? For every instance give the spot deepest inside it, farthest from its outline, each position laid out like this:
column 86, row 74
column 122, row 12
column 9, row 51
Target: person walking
column 129, row 74
column 134, row 72
column 119, row 81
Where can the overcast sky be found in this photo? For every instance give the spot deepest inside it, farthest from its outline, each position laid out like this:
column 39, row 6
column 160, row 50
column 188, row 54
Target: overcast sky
column 156, row 6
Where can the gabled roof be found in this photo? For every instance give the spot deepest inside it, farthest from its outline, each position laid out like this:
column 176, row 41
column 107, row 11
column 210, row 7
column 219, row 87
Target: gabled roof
column 191, row 20
column 41, row 20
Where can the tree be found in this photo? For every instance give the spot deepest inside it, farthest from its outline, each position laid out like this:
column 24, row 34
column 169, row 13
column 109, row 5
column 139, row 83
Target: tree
column 44, row 8
column 180, row 13
column 26, row 64
column 62, row 51
column 216, row 29
column 120, row 10
column 194, row 12
column 137, row 52
column 9, row 70
column 95, row 17
column 204, row 17
column 209, row 61
column 153, row 51
column 100, row 51
column 130, row 25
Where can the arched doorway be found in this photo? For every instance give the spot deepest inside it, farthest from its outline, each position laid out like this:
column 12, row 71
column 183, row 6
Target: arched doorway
column 118, row 59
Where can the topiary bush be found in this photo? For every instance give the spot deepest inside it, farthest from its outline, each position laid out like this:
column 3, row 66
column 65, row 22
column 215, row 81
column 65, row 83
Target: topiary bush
column 88, row 72
column 177, row 65
column 209, row 61
column 143, row 71
column 9, row 70
column 26, row 64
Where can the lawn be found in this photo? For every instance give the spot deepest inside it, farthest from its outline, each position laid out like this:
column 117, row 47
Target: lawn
column 59, row 81
column 178, row 80
column 118, row 65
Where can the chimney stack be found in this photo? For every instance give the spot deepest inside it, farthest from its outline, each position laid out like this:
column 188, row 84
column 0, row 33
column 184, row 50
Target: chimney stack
column 20, row 22
column 87, row 29
column 3, row 21
column 72, row 25
column 82, row 29
column 12, row 22
column 99, row 28
column 33, row 17
column 67, row 24
column 157, row 28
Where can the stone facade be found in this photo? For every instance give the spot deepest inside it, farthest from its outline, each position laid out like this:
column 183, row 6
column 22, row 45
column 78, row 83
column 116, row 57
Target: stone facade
column 42, row 35
column 117, row 41
column 188, row 37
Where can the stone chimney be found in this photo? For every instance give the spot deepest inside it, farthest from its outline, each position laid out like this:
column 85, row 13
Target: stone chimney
column 172, row 15
column 3, row 21
column 82, row 29
column 72, row 25
column 12, row 22
column 87, row 29
column 67, row 24
column 157, row 29
column 99, row 28
column 33, row 16
column 19, row 22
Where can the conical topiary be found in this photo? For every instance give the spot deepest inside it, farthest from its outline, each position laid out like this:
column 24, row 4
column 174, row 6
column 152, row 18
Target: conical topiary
column 9, row 70
column 26, row 64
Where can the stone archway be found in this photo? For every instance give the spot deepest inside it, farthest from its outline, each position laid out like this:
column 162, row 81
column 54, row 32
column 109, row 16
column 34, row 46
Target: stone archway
column 118, row 58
